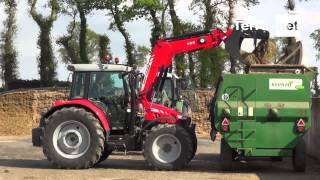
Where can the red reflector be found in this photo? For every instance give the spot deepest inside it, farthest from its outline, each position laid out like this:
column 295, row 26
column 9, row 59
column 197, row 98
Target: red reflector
column 301, row 122
column 225, row 125
column 225, row 122
column 301, row 125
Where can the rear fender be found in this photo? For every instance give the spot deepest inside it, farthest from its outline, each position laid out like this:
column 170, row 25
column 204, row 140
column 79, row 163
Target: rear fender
column 82, row 103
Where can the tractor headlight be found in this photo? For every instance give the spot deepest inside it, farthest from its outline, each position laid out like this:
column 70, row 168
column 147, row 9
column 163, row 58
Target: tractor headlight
column 202, row 40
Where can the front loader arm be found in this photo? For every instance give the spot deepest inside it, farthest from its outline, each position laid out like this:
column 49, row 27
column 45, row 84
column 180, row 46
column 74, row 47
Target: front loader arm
column 165, row 50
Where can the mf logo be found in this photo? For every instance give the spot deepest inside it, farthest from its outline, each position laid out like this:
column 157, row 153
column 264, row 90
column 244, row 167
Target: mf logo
column 191, row 43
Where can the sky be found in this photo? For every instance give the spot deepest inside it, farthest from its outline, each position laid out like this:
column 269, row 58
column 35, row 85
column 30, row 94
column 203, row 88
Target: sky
column 265, row 13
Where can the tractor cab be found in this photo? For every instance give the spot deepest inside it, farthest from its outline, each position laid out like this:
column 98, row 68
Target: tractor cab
column 169, row 94
column 105, row 86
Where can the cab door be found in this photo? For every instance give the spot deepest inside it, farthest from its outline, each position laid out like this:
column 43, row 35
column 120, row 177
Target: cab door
column 107, row 89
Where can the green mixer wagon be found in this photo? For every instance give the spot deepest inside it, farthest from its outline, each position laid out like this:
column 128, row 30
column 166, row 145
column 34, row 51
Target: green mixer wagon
column 264, row 113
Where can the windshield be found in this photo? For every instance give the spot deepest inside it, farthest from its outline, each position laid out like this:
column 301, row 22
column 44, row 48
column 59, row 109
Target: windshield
column 97, row 85
column 105, row 84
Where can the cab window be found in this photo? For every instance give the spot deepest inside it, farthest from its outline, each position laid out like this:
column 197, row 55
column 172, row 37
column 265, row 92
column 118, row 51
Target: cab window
column 78, row 87
column 105, row 84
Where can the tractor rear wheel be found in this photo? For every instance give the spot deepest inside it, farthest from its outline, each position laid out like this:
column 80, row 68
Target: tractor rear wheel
column 299, row 157
column 226, row 156
column 73, row 139
column 168, row 147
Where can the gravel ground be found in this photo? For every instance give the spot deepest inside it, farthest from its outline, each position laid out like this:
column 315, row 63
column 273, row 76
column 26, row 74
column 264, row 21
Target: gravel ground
column 19, row 160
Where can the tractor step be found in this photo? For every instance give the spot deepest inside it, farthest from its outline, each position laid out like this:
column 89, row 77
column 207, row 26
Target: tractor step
column 123, row 142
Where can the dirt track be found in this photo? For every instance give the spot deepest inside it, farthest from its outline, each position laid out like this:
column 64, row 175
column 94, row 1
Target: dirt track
column 19, row 160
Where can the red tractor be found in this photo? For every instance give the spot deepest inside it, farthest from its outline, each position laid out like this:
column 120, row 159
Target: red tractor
column 111, row 108
column 104, row 113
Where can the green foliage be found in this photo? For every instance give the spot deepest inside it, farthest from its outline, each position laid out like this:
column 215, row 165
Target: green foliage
column 154, row 11
column 212, row 65
column 121, row 13
column 190, row 27
column 8, row 53
column 316, row 37
column 46, row 61
column 104, row 48
column 141, row 55
column 212, row 14
column 177, row 30
column 70, row 50
column 148, row 4
column 83, row 7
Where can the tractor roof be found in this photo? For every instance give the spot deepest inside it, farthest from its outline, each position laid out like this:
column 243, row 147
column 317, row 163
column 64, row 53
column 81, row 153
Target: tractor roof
column 98, row 67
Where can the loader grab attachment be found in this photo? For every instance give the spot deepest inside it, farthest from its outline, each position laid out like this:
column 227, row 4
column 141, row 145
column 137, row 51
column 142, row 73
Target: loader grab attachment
column 233, row 43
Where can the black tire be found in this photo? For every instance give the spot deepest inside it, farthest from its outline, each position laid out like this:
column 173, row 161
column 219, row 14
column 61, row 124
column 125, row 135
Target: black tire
column 106, row 153
column 226, row 156
column 276, row 159
column 299, row 158
column 97, row 138
column 171, row 130
column 194, row 142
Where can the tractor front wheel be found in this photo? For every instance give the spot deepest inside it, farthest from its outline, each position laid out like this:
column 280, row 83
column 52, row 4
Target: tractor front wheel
column 168, row 147
column 194, row 142
column 73, row 139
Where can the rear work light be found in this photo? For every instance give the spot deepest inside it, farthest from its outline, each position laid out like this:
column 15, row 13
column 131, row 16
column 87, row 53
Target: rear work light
column 301, row 125
column 225, row 125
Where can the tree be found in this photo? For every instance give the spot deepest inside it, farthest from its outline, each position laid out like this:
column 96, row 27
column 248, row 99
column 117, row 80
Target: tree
column 97, row 45
column 104, row 48
column 46, row 61
column 142, row 53
column 212, row 65
column 8, row 56
column 83, row 7
column 231, row 5
column 316, row 37
column 121, row 13
column 69, row 51
column 190, row 27
column 211, row 60
column 154, row 11
column 212, row 14
column 177, row 30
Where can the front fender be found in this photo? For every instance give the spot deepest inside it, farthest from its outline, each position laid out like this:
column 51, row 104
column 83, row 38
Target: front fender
column 82, row 103
column 155, row 111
